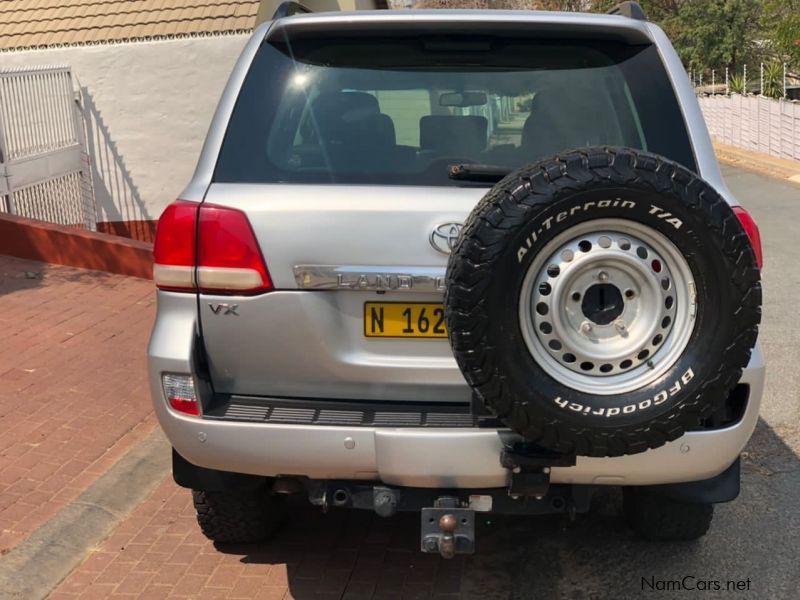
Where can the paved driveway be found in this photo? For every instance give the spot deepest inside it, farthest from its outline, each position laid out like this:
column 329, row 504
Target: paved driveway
column 72, row 391
column 158, row 552
column 73, row 400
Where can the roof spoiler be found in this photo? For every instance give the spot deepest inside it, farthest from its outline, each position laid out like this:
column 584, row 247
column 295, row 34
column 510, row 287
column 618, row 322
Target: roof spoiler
column 629, row 9
column 289, row 8
column 632, row 10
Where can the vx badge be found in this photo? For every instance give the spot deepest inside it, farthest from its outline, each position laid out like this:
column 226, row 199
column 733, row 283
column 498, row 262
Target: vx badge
column 224, row 309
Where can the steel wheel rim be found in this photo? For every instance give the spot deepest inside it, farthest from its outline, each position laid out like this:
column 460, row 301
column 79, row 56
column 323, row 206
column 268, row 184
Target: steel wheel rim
column 568, row 295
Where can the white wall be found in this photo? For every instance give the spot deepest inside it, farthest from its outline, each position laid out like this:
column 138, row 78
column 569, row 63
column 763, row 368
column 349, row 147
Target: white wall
column 149, row 105
column 754, row 123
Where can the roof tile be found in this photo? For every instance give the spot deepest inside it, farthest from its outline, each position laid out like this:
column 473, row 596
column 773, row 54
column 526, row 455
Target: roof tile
column 243, row 23
column 40, row 23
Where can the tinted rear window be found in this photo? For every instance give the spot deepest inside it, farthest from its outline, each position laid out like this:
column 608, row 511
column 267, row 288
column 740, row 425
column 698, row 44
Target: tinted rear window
column 400, row 111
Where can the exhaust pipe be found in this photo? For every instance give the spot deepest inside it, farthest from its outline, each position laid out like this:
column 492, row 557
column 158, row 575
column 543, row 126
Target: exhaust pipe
column 341, row 497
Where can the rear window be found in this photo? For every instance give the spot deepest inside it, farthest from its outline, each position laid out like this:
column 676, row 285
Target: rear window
column 401, row 111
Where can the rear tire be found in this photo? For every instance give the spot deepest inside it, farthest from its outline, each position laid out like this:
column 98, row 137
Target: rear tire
column 239, row 516
column 659, row 518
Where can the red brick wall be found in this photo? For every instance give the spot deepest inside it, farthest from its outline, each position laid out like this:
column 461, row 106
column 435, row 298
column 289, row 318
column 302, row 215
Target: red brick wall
column 61, row 245
column 144, row 231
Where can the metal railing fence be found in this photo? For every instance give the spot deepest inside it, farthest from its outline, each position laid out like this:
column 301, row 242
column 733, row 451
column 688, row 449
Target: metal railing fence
column 37, row 110
column 44, row 171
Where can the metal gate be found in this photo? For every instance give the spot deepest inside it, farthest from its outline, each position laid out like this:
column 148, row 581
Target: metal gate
column 44, row 169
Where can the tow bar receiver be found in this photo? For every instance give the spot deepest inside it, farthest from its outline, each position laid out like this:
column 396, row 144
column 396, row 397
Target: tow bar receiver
column 447, row 528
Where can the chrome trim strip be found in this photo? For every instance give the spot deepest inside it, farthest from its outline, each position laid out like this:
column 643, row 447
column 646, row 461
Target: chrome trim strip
column 370, row 279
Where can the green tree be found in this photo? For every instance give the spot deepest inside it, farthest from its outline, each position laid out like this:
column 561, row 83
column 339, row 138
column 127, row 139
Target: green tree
column 708, row 34
column 715, row 34
column 666, row 13
column 781, row 24
column 711, row 34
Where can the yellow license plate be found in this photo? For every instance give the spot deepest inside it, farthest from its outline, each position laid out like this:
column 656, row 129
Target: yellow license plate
column 401, row 320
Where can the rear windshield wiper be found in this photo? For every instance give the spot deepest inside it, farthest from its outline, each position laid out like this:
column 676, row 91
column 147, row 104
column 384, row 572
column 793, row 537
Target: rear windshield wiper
column 474, row 172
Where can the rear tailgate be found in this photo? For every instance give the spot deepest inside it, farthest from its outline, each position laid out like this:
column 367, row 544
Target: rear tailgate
column 311, row 343
column 338, row 149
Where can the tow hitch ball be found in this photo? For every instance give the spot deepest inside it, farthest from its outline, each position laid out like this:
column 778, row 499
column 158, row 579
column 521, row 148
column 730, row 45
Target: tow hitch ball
column 447, row 528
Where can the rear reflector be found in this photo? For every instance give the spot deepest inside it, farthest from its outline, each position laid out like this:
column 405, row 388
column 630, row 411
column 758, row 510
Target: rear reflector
column 751, row 229
column 179, row 390
column 227, row 260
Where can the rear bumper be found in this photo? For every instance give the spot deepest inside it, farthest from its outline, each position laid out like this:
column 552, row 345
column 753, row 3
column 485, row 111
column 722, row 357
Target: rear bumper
column 452, row 458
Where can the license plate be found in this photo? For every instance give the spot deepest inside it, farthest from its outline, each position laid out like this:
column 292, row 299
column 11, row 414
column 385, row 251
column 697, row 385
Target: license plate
column 404, row 320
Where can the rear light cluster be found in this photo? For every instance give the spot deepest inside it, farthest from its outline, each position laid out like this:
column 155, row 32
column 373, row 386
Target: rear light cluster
column 208, row 248
column 751, row 229
column 179, row 390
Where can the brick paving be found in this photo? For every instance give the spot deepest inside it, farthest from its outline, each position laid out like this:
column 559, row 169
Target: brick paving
column 74, row 340
column 159, row 552
column 73, row 401
column 73, row 392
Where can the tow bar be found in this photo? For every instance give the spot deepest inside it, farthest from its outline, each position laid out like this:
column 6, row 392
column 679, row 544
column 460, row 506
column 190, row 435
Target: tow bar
column 448, row 528
column 448, row 517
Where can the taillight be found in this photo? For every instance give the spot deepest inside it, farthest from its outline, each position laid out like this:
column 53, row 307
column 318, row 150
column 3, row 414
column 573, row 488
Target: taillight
column 228, row 259
column 179, row 390
column 173, row 250
column 751, row 229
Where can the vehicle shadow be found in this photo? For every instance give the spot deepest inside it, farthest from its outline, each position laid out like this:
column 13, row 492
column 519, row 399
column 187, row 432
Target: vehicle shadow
column 20, row 275
column 352, row 554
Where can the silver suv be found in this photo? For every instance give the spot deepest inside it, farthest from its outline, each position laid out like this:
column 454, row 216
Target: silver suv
column 457, row 262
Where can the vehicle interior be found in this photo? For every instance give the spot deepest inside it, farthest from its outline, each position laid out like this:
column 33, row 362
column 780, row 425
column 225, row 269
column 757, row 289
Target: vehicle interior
column 403, row 112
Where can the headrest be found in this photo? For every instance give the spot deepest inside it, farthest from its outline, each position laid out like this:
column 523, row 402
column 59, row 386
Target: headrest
column 348, row 106
column 374, row 131
column 562, row 119
column 454, row 135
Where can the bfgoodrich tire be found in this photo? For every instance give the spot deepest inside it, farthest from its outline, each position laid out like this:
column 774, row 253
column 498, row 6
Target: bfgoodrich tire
column 662, row 519
column 603, row 301
column 239, row 516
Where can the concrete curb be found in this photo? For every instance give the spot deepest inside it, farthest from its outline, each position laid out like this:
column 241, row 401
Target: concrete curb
column 34, row 568
column 758, row 162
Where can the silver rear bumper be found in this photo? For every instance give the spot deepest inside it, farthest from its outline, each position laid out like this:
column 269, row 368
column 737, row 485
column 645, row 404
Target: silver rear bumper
column 415, row 457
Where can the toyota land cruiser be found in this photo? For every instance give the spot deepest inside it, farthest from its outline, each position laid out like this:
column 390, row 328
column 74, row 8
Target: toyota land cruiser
column 457, row 262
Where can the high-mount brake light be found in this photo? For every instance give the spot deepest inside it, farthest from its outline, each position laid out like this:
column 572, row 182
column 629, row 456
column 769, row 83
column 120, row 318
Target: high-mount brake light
column 208, row 248
column 751, row 229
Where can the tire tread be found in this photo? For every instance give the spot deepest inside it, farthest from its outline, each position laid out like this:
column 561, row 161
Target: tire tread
column 240, row 516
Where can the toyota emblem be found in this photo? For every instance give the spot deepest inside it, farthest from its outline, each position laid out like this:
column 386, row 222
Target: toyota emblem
column 444, row 236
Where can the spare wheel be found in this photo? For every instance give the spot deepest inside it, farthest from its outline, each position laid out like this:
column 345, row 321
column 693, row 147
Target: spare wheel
column 603, row 301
